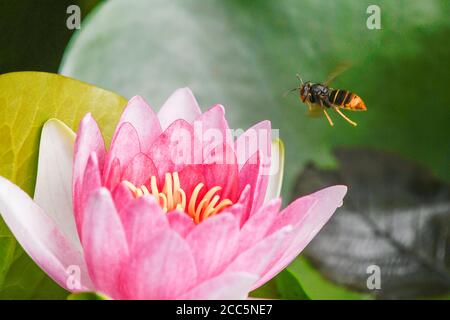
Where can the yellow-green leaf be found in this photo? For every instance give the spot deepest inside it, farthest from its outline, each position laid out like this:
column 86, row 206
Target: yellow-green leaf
column 87, row 296
column 27, row 100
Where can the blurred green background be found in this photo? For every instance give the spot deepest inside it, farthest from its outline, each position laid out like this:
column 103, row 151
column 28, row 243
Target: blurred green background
column 244, row 54
column 33, row 34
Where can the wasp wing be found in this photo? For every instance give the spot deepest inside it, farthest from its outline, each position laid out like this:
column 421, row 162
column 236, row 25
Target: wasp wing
column 342, row 67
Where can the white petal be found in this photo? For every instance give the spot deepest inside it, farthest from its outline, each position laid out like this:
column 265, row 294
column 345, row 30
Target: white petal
column 53, row 192
column 41, row 239
column 180, row 105
column 276, row 171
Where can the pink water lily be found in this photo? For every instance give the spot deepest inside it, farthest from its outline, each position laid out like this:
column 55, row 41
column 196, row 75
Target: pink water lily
column 157, row 216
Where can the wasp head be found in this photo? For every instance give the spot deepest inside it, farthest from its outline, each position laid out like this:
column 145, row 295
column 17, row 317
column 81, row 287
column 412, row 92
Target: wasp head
column 305, row 90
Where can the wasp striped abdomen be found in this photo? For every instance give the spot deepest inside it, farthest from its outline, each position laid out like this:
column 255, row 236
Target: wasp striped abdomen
column 347, row 100
column 320, row 97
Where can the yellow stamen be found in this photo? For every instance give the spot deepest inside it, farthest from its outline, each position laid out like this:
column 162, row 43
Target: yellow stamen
column 183, row 199
column 154, row 187
column 168, row 191
column 222, row 205
column 172, row 197
column 192, row 201
column 145, row 190
column 163, row 197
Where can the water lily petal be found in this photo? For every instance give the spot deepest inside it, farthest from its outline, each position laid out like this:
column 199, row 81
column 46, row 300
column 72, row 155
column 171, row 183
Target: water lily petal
column 248, row 176
column 104, row 242
column 259, row 258
column 124, row 147
column 139, row 170
column 249, row 173
column 88, row 140
column 256, row 227
column 257, row 138
column 214, row 242
column 219, row 161
column 190, row 176
column 214, row 127
column 227, row 286
column 276, row 171
column 294, row 213
column 311, row 217
column 122, row 195
column 91, row 181
column 53, row 192
column 174, row 148
column 240, row 210
column 220, row 169
column 40, row 237
column 180, row 105
column 163, row 268
column 112, row 179
column 141, row 116
column 180, row 222
column 143, row 219
column 260, row 190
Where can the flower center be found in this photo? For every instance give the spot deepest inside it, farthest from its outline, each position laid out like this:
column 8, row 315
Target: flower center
column 173, row 197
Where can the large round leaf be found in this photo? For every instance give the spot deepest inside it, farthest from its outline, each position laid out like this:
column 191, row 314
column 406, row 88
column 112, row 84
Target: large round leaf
column 27, row 100
column 245, row 54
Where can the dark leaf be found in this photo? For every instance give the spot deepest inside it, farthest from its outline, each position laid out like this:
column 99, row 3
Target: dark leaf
column 396, row 215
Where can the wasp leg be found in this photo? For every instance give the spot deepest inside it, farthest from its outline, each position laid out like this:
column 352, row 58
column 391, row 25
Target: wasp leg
column 325, row 111
column 345, row 117
column 328, row 117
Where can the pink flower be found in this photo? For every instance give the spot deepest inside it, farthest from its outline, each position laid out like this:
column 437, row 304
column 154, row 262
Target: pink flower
column 163, row 214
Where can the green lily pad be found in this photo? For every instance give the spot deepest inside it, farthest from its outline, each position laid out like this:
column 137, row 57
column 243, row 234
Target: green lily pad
column 27, row 100
column 289, row 286
column 245, row 54
column 318, row 287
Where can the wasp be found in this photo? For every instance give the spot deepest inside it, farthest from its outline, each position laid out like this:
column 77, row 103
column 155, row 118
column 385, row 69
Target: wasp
column 321, row 98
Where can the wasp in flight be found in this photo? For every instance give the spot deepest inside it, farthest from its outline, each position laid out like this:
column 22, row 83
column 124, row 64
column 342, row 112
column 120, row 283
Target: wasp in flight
column 321, row 98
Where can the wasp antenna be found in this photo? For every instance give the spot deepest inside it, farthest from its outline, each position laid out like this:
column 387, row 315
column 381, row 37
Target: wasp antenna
column 289, row 91
column 299, row 78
